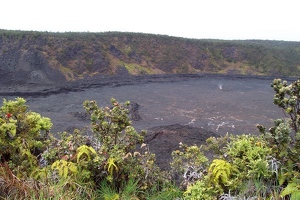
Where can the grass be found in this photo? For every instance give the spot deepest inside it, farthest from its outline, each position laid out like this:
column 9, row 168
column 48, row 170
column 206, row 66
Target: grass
column 14, row 188
column 136, row 69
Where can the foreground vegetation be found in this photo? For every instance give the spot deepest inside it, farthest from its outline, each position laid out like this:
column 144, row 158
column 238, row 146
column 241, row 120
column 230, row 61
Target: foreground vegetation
column 112, row 162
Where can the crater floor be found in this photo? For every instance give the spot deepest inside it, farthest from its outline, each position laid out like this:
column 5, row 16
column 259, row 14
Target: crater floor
column 219, row 104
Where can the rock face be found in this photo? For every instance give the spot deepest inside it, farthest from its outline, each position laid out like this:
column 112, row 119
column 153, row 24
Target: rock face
column 37, row 57
column 134, row 111
column 27, row 66
column 163, row 140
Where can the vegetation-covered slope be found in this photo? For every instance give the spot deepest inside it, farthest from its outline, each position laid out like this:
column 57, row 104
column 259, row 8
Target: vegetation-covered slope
column 47, row 57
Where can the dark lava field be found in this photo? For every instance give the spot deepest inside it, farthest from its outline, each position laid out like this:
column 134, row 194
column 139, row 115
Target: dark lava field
column 216, row 103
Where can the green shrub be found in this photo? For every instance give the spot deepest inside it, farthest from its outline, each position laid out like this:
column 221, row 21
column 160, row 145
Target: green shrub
column 284, row 137
column 122, row 160
column 23, row 136
column 188, row 165
column 110, row 154
column 200, row 190
column 250, row 155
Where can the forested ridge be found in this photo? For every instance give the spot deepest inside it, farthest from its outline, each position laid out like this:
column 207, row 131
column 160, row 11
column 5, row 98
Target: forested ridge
column 48, row 57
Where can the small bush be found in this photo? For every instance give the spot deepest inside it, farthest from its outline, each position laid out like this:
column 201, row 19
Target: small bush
column 23, row 137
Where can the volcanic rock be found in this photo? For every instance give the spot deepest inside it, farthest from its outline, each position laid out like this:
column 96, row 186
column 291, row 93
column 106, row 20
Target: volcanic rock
column 162, row 140
column 134, row 111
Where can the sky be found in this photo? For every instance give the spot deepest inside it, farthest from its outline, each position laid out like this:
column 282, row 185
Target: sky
column 200, row 19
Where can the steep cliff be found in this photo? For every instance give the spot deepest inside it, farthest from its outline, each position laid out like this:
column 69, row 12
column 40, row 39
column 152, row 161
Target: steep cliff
column 42, row 57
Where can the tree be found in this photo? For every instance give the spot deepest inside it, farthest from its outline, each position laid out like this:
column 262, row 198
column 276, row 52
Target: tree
column 287, row 97
column 284, row 136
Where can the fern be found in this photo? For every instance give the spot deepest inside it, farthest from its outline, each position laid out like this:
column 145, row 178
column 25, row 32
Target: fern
column 85, row 150
column 40, row 173
column 221, row 171
column 292, row 189
column 64, row 168
column 110, row 166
